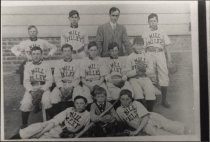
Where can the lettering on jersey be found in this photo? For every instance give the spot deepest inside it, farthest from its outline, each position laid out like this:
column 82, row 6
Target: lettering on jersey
column 93, row 72
column 136, row 60
column 37, row 76
column 131, row 113
column 73, row 120
column 73, row 35
column 155, row 38
column 67, row 72
column 115, row 67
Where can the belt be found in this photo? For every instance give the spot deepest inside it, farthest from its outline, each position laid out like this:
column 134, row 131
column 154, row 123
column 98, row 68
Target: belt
column 154, row 49
column 79, row 50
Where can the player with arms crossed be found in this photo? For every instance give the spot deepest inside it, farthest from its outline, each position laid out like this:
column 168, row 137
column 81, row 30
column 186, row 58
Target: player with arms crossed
column 75, row 36
column 64, row 125
column 139, row 66
column 24, row 48
column 93, row 69
column 156, row 42
column 116, row 80
column 37, row 80
column 136, row 116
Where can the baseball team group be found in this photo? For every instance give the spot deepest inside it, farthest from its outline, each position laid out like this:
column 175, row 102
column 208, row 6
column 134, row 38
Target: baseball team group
column 101, row 88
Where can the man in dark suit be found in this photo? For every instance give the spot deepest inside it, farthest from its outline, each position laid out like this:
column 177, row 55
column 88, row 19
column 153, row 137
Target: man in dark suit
column 113, row 32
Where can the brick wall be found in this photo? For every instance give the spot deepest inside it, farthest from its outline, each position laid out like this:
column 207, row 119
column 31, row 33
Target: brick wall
column 11, row 63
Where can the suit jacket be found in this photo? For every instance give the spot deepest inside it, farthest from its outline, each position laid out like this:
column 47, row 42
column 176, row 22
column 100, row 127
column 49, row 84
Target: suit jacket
column 105, row 35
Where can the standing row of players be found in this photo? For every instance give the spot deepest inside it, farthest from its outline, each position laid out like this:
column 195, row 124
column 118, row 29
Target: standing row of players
column 93, row 70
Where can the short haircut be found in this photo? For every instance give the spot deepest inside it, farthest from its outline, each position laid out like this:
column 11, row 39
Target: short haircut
column 66, row 46
column 138, row 39
column 32, row 26
column 80, row 97
column 98, row 90
column 126, row 92
column 36, row 48
column 152, row 15
column 112, row 45
column 113, row 9
column 73, row 12
column 91, row 44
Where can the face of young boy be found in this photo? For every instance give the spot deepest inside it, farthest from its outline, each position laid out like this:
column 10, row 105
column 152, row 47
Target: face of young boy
column 74, row 19
column 125, row 100
column 67, row 53
column 114, row 52
column 153, row 23
column 93, row 51
column 139, row 48
column 36, row 56
column 32, row 33
column 100, row 98
column 79, row 105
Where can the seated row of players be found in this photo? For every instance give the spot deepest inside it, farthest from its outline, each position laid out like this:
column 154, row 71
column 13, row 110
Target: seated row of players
column 131, row 118
column 75, row 77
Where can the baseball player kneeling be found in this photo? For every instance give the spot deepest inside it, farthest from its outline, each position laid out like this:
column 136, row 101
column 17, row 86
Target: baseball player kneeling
column 139, row 65
column 64, row 125
column 93, row 70
column 38, row 79
column 137, row 116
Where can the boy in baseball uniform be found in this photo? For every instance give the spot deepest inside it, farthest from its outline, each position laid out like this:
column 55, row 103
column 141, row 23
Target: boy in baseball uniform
column 37, row 80
column 103, row 125
column 137, row 116
column 23, row 49
column 116, row 80
column 156, row 42
column 64, row 125
column 75, row 36
column 93, row 69
column 139, row 65
column 67, row 78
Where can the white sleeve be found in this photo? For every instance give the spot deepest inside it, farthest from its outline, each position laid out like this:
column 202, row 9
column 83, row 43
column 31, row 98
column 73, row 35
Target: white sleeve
column 59, row 118
column 50, row 46
column 26, row 81
column 166, row 39
column 62, row 38
column 120, row 114
column 57, row 76
column 17, row 49
column 49, row 78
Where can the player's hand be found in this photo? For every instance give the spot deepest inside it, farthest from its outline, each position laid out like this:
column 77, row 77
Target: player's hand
column 124, row 77
column 133, row 133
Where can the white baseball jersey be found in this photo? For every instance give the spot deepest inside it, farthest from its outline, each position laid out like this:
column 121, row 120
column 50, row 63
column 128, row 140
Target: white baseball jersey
column 66, row 73
column 73, row 120
column 132, row 114
column 156, row 38
column 37, row 76
column 76, row 37
column 25, row 47
column 93, row 70
column 133, row 58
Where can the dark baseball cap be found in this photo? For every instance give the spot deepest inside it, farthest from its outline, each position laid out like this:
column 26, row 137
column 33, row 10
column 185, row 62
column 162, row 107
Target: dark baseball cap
column 73, row 12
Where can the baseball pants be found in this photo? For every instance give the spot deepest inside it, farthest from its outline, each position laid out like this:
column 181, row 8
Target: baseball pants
column 26, row 102
column 161, row 66
column 143, row 88
column 159, row 125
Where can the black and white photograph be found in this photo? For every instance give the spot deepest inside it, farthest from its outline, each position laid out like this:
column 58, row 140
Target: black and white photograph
column 108, row 70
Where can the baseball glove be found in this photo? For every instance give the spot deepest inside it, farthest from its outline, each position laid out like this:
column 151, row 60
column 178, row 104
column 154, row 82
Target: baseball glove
column 172, row 68
column 36, row 99
column 117, row 81
column 141, row 66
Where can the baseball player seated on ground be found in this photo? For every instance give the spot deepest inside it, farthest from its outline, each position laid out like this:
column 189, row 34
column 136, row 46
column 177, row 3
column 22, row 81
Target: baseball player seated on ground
column 106, row 124
column 37, row 80
column 64, row 125
column 23, row 49
column 93, row 69
column 136, row 115
column 156, row 44
column 116, row 80
column 139, row 65
column 67, row 78
column 75, row 36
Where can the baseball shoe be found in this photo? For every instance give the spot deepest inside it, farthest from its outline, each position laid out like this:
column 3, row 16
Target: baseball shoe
column 165, row 104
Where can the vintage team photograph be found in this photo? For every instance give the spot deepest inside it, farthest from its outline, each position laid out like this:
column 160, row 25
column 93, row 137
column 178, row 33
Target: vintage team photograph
column 99, row 71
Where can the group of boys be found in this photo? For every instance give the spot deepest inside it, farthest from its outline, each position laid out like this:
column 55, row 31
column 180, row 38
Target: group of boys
column 86, row 85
